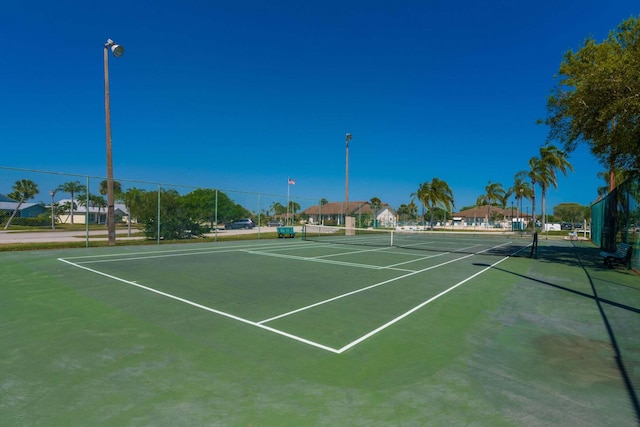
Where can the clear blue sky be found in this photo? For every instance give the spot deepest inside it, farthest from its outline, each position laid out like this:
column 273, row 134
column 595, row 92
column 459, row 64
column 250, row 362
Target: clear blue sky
column 243, row 95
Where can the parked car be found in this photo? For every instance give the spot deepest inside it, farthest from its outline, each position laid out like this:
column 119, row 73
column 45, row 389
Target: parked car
column 274, row 223
column 566, row 226
column 244, row 223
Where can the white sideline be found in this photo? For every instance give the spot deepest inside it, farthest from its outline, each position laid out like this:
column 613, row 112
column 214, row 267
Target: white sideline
column 203, row 307
column 414, row 309
column 261, row 324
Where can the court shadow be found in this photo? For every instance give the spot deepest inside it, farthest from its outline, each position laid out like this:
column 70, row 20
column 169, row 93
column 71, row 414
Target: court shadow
column 585, row 256
column 566, row 289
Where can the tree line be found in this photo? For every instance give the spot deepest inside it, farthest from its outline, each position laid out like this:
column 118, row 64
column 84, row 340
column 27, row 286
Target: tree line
column 436, row 196
column 197, row 211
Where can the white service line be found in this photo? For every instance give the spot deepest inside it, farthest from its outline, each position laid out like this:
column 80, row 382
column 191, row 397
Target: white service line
column 361, row 290
column 91, row 259
column 414, row 309
column 203, row 307
column 322, row 260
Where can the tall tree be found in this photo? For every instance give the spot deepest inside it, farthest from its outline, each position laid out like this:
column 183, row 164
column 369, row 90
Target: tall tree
column 522, row 190
column 416, row 195
column 413, row 209
column 571, row 212
column 94, row 201
column 595, row 100
column 72, row 187
column 200, row 204
column 494, row 193
column 535, row 174
column 403, row 212
column 375, row 204
column 117, row 188
column 23, row 190
column 435, row 193
column 132, row 199
column 293, row 208
column 278, row 208
column 553, row 159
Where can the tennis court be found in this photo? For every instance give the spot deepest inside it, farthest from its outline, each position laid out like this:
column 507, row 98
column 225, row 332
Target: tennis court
column 291, row 331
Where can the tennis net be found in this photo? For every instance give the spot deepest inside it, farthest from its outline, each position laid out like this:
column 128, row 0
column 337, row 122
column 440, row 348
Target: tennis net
column 474, row 242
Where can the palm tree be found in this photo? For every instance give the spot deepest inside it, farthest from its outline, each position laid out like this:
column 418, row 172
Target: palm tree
column 413, row 209
column 100, row 203
column 435, row 193
column 416, row 195
column 117, row 188
column 553, row 160
column 72, row 187
column 375, row 204
column 403, row 211
column 93, row 201
column 535, row 174
column 521, row 189
column 23, row 190
column 277, row 208
column 323, row 202
column 132, row 197
column 293, row 207
column 494, row 192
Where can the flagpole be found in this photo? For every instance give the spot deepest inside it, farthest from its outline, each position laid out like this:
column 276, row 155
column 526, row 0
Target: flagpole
column 288, row 186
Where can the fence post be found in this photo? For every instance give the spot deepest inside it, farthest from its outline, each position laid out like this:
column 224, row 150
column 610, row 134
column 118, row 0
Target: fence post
column 158, row 237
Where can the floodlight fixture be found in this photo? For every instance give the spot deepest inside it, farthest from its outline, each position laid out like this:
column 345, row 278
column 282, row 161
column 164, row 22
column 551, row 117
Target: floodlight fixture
column 116, row 49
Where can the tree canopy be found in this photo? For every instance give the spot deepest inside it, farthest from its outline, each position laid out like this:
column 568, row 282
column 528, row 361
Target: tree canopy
column 434, row 194
column 572, row 212
column 596, row 99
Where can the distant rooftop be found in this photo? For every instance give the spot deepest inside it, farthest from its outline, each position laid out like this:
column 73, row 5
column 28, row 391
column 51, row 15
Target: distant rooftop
column 4, row 198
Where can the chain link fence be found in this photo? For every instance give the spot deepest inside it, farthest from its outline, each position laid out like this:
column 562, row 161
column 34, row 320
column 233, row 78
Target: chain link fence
column 156, row 211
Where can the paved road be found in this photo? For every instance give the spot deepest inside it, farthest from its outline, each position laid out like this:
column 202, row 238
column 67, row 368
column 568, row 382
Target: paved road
column 75, row 236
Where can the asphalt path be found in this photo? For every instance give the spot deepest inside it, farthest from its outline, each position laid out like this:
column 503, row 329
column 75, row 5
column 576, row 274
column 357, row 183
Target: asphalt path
column 7, row 237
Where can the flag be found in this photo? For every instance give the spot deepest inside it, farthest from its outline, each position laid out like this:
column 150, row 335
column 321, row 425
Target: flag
column 292, row 181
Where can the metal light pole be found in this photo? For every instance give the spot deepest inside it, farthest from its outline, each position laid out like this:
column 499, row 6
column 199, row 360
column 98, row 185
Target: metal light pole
column 53, row 224
column 520, row 222
column 346, row 212
column 512, row 215
column 111, row 215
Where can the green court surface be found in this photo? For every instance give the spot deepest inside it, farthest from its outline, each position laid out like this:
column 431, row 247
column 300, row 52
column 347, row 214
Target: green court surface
column 291, row 332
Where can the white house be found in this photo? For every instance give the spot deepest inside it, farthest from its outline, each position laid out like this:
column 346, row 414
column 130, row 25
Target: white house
column 332, row 213
column 97, row 215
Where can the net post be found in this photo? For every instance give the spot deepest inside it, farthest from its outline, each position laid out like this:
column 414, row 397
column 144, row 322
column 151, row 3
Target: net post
column 392, row 231
column 534, row 244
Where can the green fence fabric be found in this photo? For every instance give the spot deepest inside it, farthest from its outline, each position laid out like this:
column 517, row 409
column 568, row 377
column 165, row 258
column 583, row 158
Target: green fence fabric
column 616, row 219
